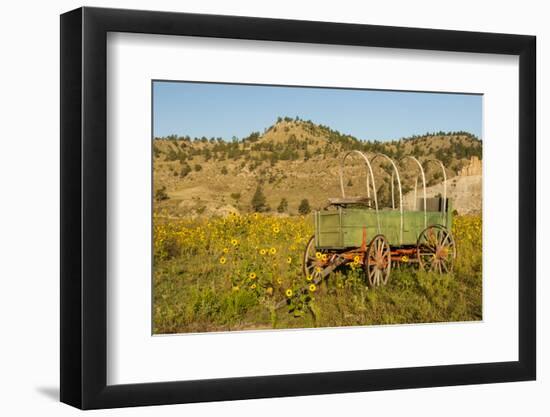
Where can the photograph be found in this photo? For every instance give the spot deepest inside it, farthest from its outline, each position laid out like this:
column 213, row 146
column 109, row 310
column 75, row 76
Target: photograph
column 293, row 207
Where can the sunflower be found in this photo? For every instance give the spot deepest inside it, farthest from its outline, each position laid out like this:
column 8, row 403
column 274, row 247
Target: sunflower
column 309, row 277
column 225, row 250
column 276, row 229
column 289, row 260
column 263, row 252
column 223, row 260
column 405, row 258
column 324, row 257
column 356, row 259
column 272, row 251
column 252, row 275
column 289, row 293
column 318, row 255
column 234, row 242
column 312, row 287
column 253, row 287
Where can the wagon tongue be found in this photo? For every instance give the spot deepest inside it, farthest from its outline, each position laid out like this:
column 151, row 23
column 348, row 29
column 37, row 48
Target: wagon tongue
column 331, row 267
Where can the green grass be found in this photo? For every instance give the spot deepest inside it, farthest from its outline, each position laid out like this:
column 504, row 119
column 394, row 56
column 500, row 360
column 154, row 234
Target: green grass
column 193, row 292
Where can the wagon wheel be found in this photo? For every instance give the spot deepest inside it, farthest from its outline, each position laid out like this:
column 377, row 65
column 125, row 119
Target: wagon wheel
column 377, row 262
column 311, row 262
column 436, row 250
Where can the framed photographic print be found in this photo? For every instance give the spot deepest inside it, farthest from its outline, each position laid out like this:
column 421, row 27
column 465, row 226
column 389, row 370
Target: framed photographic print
column 257, row 207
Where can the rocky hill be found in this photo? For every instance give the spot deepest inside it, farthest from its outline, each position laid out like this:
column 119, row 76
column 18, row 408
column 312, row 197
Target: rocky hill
column 293, row 160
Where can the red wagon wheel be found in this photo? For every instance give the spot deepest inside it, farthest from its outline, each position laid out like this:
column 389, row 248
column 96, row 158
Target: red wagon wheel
column 436, row 250
column 313, row 264
column 377, row 262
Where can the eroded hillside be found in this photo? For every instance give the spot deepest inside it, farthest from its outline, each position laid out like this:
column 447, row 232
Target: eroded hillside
column 294, row 160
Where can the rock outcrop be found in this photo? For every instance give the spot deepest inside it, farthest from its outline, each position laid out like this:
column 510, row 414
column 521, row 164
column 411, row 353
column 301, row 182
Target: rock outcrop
column 473, row 168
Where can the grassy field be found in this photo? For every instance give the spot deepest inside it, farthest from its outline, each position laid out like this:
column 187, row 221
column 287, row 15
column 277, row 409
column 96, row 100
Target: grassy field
column 243, row 272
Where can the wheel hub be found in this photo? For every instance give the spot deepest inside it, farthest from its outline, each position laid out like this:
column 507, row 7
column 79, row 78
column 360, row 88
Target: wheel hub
column 442, row 252
column 380, row 264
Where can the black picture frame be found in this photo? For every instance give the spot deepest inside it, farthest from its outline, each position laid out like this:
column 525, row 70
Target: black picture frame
column 84, row 207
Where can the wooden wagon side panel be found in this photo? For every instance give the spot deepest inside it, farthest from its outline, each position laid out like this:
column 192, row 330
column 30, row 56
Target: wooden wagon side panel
column 328, row 230
column 358, row 225
column 344, row 228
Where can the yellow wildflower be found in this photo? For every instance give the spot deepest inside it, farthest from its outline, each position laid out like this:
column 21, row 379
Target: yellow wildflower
column 223, row 260
column 289, row 260
column 318, row 255
column 272, row 251
column 253, row 287
column 312, row 287
column 263, row 252
column 234, row 242
column 225, row 250
column 252, row 275
column 289, row 293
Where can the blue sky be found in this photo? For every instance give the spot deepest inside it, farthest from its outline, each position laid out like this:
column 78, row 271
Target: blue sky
column 227, row 110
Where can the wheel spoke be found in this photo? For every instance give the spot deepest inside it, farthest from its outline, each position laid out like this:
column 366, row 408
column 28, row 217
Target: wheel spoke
column 372, row 272
column 447, row 239
column 440, row 236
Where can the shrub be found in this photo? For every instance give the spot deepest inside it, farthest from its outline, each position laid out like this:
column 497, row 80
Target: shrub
column 161, row 194
column 156, row 151
column 283, row 205
column 185, row 170
column 304, row 207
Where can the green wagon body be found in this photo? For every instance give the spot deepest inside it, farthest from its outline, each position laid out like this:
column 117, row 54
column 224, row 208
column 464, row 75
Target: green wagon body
column 350, row 227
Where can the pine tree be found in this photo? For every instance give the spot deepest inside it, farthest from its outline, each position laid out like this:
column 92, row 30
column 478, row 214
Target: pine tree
column 259, row 202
